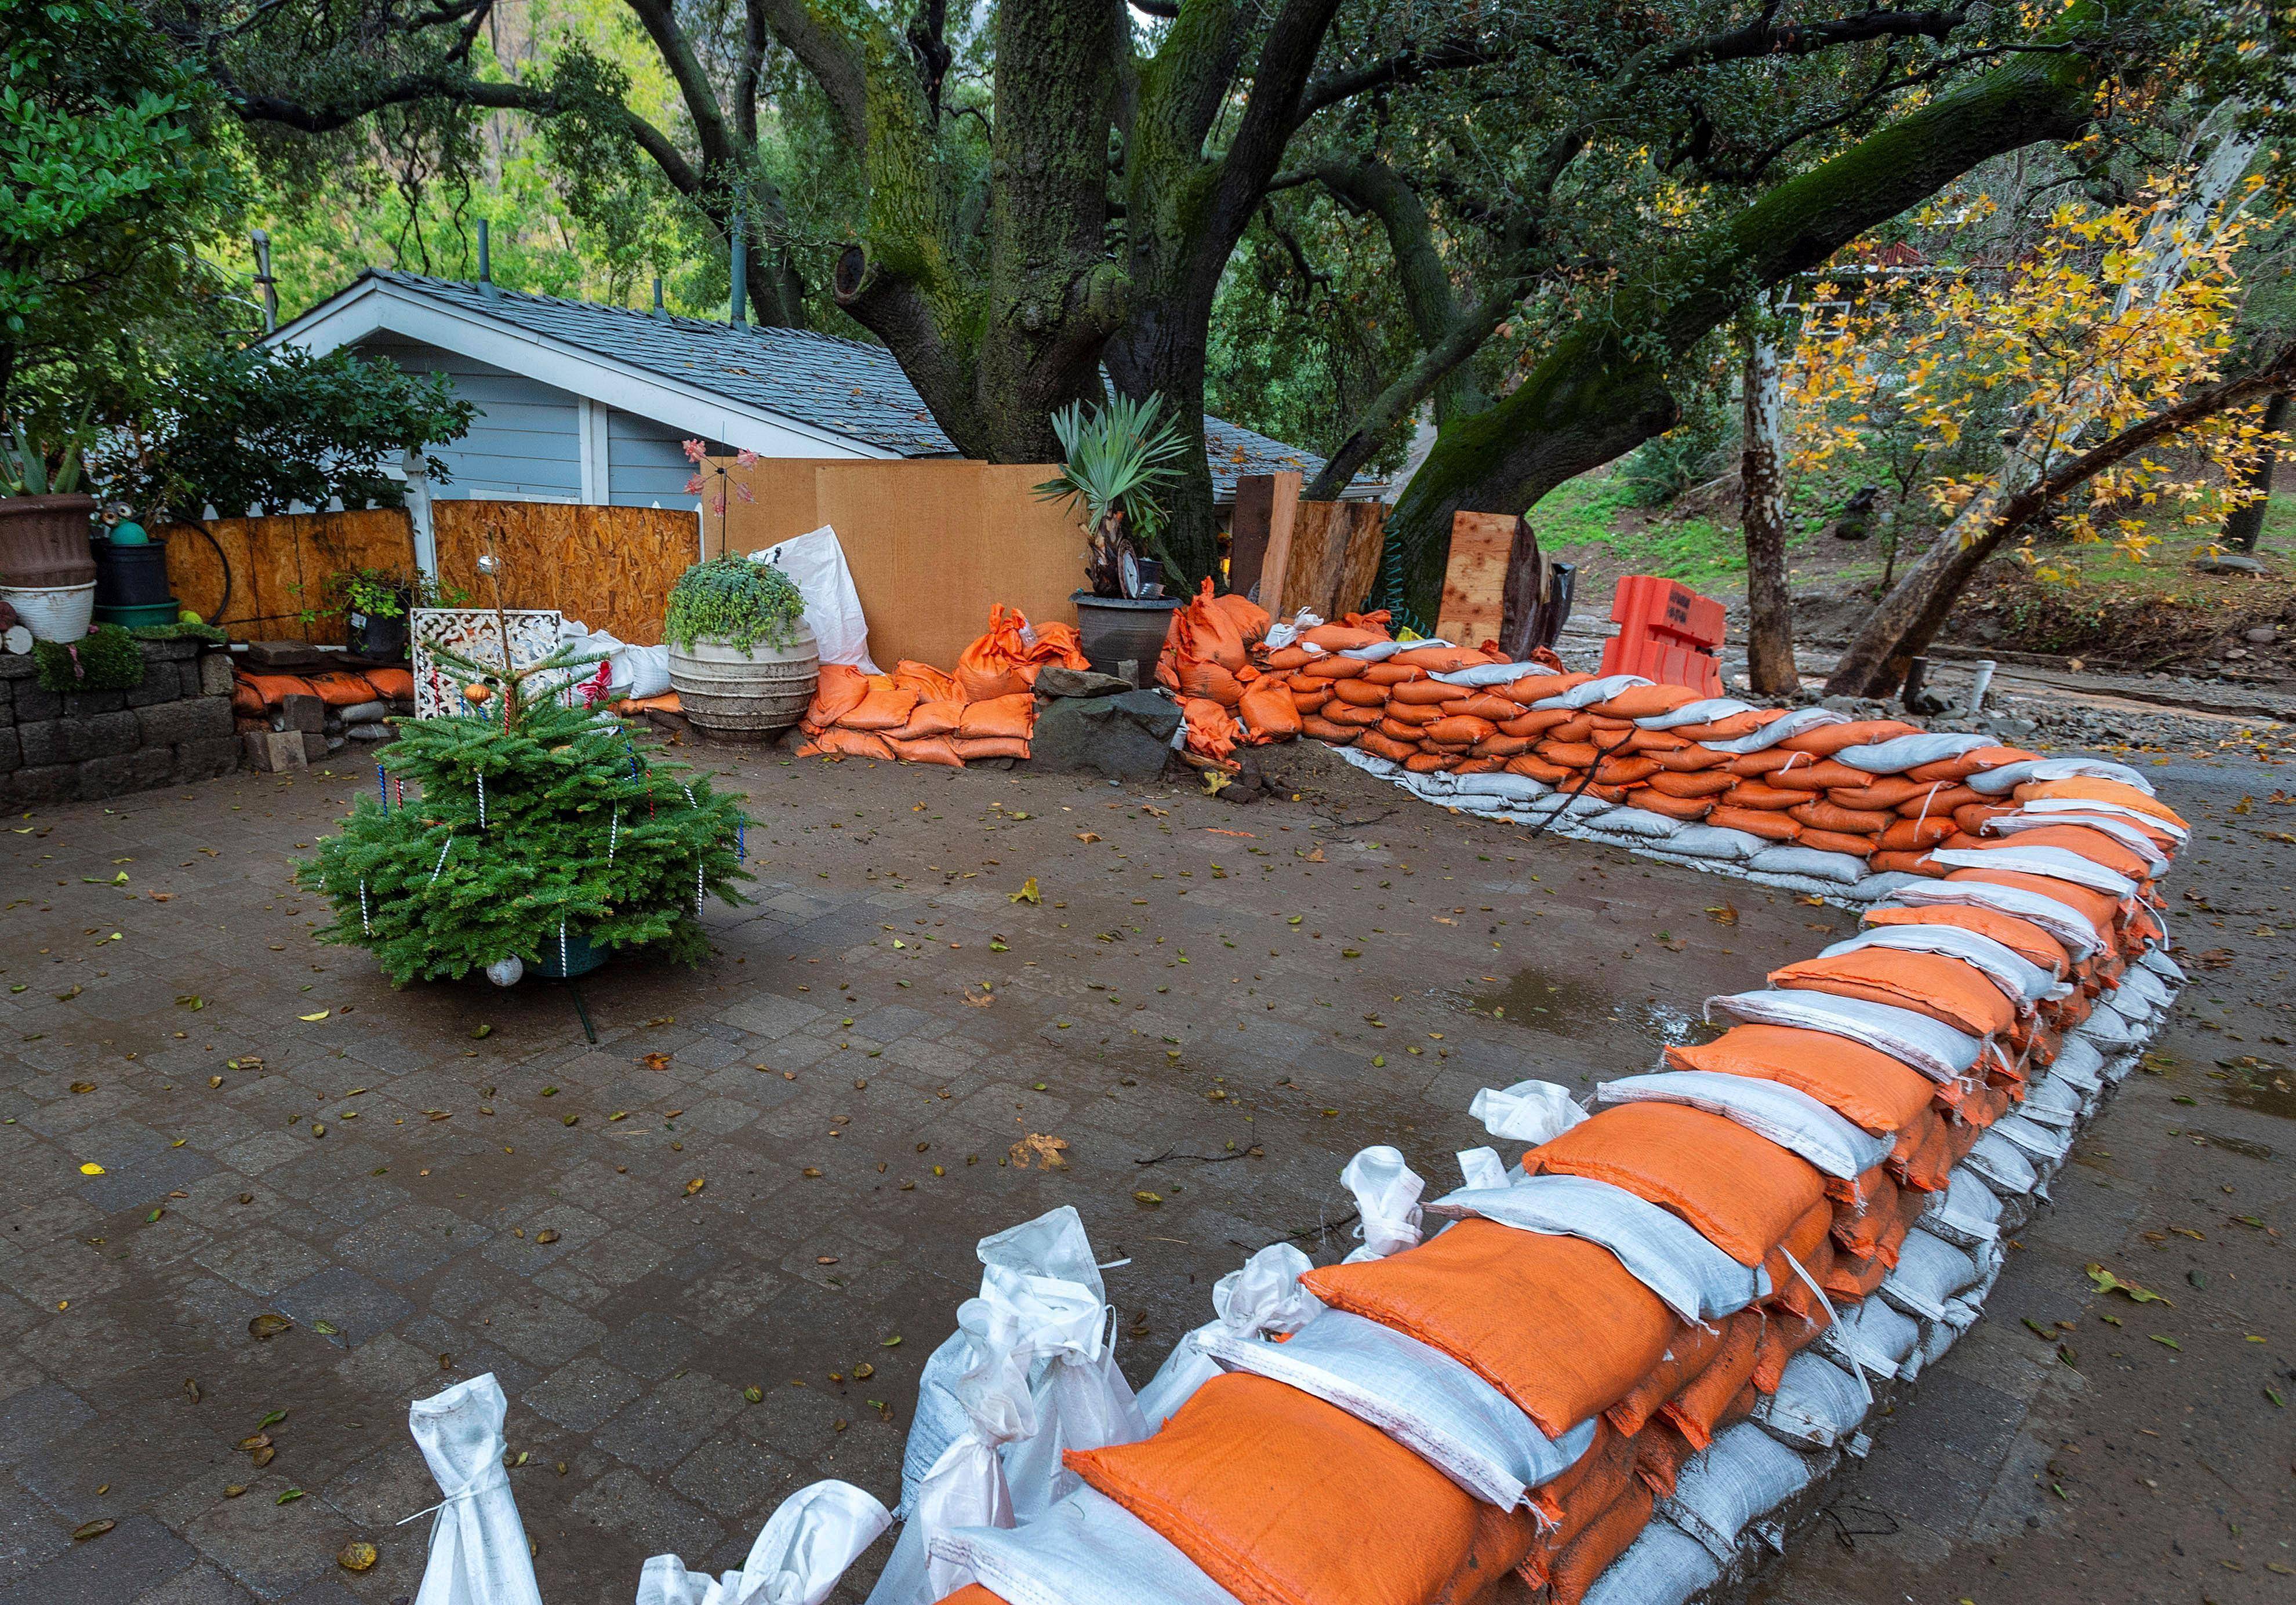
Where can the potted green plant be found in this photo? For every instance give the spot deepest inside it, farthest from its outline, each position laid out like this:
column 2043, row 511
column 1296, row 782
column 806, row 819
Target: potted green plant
column 375, row 603
column 1118, row 457
column 47, row 569
column 742, row 658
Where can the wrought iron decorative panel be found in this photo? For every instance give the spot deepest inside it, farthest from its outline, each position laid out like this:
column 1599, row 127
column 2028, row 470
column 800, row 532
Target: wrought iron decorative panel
column 475, row 633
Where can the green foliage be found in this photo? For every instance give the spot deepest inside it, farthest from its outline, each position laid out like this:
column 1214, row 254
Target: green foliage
column 1117, row 457
column 383, row 593
column 250, row 429
column 733, row 600
column 181, row 630
column 581, row 833
column 25, row 470
column 109, row 659
column 113, row 184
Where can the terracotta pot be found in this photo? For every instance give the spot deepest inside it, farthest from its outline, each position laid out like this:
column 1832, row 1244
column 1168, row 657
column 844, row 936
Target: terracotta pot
column 44, row 541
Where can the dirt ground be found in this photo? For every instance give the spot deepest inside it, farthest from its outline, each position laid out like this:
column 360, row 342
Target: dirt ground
column 1211, row 1006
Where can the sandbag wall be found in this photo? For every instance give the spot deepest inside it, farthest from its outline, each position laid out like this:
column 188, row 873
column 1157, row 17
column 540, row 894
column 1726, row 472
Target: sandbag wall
column 918, row 715
column 1624, row 1366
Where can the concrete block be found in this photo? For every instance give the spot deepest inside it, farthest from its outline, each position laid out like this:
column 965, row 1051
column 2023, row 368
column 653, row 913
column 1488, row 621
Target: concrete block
column 302, row 713
column 68, row 740
column 170, row 652
column 35, row 784
column 207, row 759
column 193, row 719
column 289, row 657
column 17, row 666
column 316, row 744
column 215, row 673
column 161, row 684
column 139, row 770
column 274, row 750
column 34, row 702
column 87, row 704
column 12, row 751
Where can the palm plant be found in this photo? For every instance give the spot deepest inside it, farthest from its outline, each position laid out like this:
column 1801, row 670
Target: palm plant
column 24, row 469
column 1117, row 457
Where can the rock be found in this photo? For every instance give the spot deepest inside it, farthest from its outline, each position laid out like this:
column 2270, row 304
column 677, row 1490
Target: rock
column 1058, row 681
column 215, row 673
column 2263, row 635
column 364, row 713
column 299, row 712
column 369, row 730
column 2227, row 562
column 274, row 750
column 1125, row 737
column 287, row 656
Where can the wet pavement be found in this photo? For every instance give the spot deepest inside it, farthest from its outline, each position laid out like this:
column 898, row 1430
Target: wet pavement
column 1211, row 1005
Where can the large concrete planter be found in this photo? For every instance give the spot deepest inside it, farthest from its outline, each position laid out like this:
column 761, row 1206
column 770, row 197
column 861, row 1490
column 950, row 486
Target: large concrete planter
column 44, row 542
column 744, row 696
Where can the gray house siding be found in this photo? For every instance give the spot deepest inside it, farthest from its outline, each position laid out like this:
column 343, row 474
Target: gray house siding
column 645, row 462
column 523, row 443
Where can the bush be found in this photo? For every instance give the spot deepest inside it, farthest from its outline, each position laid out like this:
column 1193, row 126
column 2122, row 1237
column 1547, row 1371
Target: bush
column 109, row 660
column 735, row 600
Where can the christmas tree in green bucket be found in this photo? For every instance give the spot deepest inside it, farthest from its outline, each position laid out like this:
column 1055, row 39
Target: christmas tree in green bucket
column 526, row 831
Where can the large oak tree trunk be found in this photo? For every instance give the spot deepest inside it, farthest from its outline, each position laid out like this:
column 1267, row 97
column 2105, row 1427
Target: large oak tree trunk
column 1762, row 501
column 1592, row 399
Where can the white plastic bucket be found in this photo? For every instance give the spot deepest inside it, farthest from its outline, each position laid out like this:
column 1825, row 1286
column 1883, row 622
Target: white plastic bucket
column 53, row 613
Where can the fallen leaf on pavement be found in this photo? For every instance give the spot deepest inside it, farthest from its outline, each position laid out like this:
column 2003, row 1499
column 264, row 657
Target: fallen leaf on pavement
column 1037, row 1147
column 1026, row 894
column 268, row 1325
column 696, row 1185
column 321, row 1014
column 355, row 1556
column 92, row 1529
column 2107, row 1282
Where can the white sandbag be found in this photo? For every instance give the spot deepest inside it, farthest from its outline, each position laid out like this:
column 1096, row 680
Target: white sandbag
column 1418, row 1395
column 966, row 1486
column 799, row 1557
column 2060, row 864
column 1087, row 1549
column 1787, row 1116
column 2156, row 863
column 1262, row 1297
column 2068, row 925
column 1379, row 652
column 2045, row 1143
column 1874, row 889
column 2052, row 1101
column 2109, row 1031
column 1705, row 711
column 815, row 565
column 1801, row 886
column 1430, row 787
column 1875, row 1337
column 1370, row 763
column 2159, row 963
column 1571, row 804
column 1745, row 1475
column 1929, row 1272
column 1593, row 691
column 1482, row 1169
column 2023, row 982
column 1965, row 1212
column 1814, row 863
column 1901, row 753
column 1387, row 1199
column 1283, row 632
column 1482, row 808
column 1480, row 675
column 1664, row 1565
column 2084, row 805
column 1799, row 722
column 1716, row 841
column 1514, row 788
column 2002, row 1165
column 2008, row 777
column 1960, row 1315
column 1658, row 1248
column 1528, row 1112
column 2080, row 1064
column 478, row 1545
column 1641, row 824
column 1935, row 1048
column 1818, row 1405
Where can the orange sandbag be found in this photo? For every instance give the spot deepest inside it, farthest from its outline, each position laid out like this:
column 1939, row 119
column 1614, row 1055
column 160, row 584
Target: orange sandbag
column 1397, row 730
column 393, row 683
column 1950, row 991
column 1000, row 662
column 1916, row 835
column 1765, row 823
column 1460, row 729
column 1826, row 816
column 929, row 682
column 1430, row 763
column 1673, row 807
column 1881, row 793
column 1288, row 658
column 1571, row 755
column 1211, row 681
column 1742, row 1192
column 1264, row 1487
column 1431, row 692
column 2090, row 789
column 1483, row 706
column 1013, row 717
column 942, row 716
column 1731, row 727
column 1417, row 715
column 838, row 692
column 839, row 743
column 1579, row 729
column 1924, row 1157
column 1659, row 1450
column 1629, row 770
column 1249, row 618
column 1536, row 722
column 1556, row 1323
column 2103, row 909
column 1864, row 1085
column 253, row 693
column 1335, row 668
column 972, row 748
column 1656, row 741
column 1692, row 1348
column 1907, row 863
column 885, row 707
column 1211, row 728
column 1576, row 1496
column 1676, row 783
column 1754, row 794
column 1341, row 637
column 1532, row 766
column 1972, row 817
column 1610, row 1535
column 1383, row 745
column 1647, row 702
column 1827, row 740
column 2095, row 846
column 1697, row 1409
column 1870, row 1224
column 1324, row 730
column 1502, row 747
column 929, row 749
column 1816, row 774
column 1347, row 713
column 1832, row 841
column 1938, row 799
column 1442, row 659
column 340, row 688
column 2026, row 939
column 973, row 1594
column 1361, row 693
column 1310, row 702
column 1268, row 712
column 1539, row 688
column 1391, row 672
column 1976, row 760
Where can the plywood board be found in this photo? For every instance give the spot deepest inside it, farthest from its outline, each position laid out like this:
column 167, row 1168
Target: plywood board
column 611, row 568
column 1261, row 575
column 932, row 543
column 275, row 569
column 780, row 503
column 1326, row 569
column 1474, row 580
column 1359, row 568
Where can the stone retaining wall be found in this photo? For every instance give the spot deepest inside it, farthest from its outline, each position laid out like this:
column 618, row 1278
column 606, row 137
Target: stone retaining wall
column 78, row 746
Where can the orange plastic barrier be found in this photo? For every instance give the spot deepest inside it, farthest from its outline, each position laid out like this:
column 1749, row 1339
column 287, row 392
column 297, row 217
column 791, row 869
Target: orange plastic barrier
column 1666, row 633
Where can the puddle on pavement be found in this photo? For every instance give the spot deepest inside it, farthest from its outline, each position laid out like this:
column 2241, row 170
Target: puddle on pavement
column 2259, row 1086
column 1564, row 1007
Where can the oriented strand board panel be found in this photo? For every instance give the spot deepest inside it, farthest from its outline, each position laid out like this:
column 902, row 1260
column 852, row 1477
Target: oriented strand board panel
column 1260, row 530
column 1474, row 581
column 1326, row 568
column 780, row 503
column 276, row 568
column 1359, row 568
column 932, row 544
column 610, row 568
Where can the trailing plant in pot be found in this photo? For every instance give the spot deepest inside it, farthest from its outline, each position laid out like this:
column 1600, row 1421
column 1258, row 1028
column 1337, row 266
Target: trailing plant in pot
column 47, row 569
column 375, row 603
column 1118, row 457
column 742, row 657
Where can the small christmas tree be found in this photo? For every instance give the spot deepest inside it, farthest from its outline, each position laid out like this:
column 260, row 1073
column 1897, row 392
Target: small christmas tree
column 536, row 823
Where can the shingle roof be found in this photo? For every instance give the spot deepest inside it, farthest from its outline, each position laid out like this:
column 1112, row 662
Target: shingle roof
column 852, row 388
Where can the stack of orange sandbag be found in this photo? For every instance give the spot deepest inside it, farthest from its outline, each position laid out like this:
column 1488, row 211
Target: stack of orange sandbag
column 256, row 694
column 920, row 715
column 1699, row 1295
